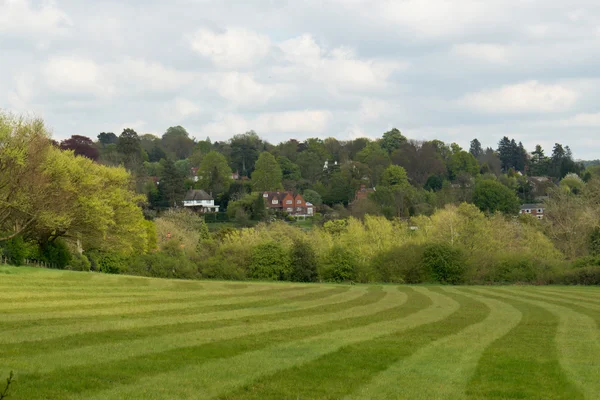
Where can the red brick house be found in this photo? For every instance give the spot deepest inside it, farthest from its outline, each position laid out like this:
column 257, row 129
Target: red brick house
column 537, row 210
column 363, row 192
column 289, row 202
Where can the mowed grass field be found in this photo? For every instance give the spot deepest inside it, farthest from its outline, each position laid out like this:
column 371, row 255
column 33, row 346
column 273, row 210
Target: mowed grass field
column 70, row 335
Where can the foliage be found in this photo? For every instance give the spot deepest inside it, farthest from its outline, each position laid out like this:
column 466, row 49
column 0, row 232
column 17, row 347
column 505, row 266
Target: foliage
column 492, row 196
column 79, row 262
column 446, row 263
column 340, row 265
column 401, row 264
column 15, row 249
column 214, row 174
column 267, row 174
column 108, row 262
column 392, row 140
column 303, row 261
column 312, row 197
column 270, row 261
column 56, row 254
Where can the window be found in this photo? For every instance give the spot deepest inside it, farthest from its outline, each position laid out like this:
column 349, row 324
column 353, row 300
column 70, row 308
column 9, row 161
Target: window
column 540, row 216
column 528, row 211
column 299, row 209
column 540, row 211
column 298, row 201
column 275, row 201
column 265, row 194
column 290, row 209
column 288, row 202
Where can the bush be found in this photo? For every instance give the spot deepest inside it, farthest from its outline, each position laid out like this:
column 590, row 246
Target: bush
column 222, row 266
column 446, row 263
column 270, row 261
column 303, row 262
column 79, row 262
column 581, row 276
column 163, row 265
column 340, row 265
column 56, row 254
column 401, row 264
column 110, row 263
column 15, row 250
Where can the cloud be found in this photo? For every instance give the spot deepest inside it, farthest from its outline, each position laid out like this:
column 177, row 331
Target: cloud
column 303, row 123
column 491, row 53
column 233, row 48
column 525, row 97
column 19, row 16
column 240, row 88
column 76, row 75
column 583, row 120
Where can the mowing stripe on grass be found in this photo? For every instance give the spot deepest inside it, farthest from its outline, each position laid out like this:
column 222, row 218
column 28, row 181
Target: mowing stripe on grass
column 121, row 350
column 443, row 369
column 570, row 296
column 578, row 344
column 342, row 372
column 130, row 363
column 524, row 363
column 47, row 331
column 557, row 299
column 337, row 303
column 217, row 377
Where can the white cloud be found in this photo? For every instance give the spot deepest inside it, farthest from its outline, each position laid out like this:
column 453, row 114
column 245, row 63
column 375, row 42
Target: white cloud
column 20, row 16
column 186, row 108
column 526, row 97
column 583, row 120
column 306, row 122
column 149, row 75
column 234, row 48
column 491, row 53
column 240, row 88
column 76, row 75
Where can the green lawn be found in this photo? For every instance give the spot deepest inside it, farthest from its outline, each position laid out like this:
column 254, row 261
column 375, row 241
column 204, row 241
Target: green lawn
column 70, row 335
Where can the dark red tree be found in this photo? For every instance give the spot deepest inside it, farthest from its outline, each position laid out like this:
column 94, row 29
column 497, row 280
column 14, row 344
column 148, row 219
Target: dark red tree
column 82, row 146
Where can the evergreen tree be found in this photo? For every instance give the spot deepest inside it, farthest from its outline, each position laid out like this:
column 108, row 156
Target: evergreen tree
column 172, row 184
column 476, row 150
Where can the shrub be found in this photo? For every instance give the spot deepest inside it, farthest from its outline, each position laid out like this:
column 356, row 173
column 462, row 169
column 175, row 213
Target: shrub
column 581, row 276
column 594, row 242
column 222, row 266
column 79, row 262
column 303, row 262
column 56, row 254
column 270, row 261
column 401, row 264
column 163, row 265
column 107, row 262
column 15, row 250
column 446, row 263
column 340, row 265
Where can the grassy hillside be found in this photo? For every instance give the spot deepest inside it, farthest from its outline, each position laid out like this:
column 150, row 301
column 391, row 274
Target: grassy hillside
column 74, row 335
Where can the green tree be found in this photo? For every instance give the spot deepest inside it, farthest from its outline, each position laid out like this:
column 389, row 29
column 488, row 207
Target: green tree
column 492, row 196
column 106, row 138
column 376, row 158
column 462, row 162
column 267, row 174
column 176, row 140
column 476, row 150
column 214, row 174
column 303, row 262
column 259, row 209
column 171, row 187
column 312, row 197
column 392, row 140
column 395, row 177
column 130, row 146
column 245, row 149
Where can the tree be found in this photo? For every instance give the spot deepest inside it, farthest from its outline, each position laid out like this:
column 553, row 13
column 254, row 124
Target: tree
column 267, row 175
column 462, row 162
column 259, row 209
column 539, row 162
column 130, row 146
column 291, row 171
column 171, row 185
column 81, row 146
column 303, row 262
column 214, row 174
column 492, row 196
column 176, row 141
column 376, row 158
column 106, row 138
column 245, row 149
column 476, row 150
column 395, row 177
column 392, row 140
column 312, row 197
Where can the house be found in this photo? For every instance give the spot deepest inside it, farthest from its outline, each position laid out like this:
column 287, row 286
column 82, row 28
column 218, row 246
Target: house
column 292, row 203
column 537, row 210
column 363, row 193
column 200, row 201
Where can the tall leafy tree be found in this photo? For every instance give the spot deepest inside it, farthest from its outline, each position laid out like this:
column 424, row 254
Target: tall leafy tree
column 171, row 187
column 492, row 196
column 475, row 149
column 245, row 149
column 214, row 174
column 267, row 175
column 176, row 141
column 376, row 158
column 81, row 146
column 130, row 147
column 106, row 138
column 462, row 162
column 392, row 140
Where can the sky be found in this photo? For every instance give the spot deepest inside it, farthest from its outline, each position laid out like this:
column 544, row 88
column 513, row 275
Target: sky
column 452, row 70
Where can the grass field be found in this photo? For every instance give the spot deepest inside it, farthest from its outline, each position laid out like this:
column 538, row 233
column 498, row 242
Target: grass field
column 69, row 335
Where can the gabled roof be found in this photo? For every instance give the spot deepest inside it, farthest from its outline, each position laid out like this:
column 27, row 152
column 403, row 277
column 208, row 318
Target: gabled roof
column 197, row 195
column 529, row 206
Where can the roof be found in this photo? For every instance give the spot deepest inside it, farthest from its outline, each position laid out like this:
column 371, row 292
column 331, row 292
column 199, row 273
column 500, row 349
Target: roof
column 529, row 206
column 197, row 195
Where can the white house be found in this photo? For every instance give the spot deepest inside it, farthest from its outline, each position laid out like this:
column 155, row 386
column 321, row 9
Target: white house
column 200, row 201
